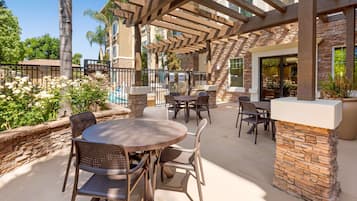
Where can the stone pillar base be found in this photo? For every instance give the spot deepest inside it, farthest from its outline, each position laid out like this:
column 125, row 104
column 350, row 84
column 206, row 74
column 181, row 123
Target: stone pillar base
column 306, row 162
column 306, row 148
column 137, row 104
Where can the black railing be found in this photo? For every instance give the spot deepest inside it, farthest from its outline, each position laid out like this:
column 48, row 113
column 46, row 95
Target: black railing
column 160, row 82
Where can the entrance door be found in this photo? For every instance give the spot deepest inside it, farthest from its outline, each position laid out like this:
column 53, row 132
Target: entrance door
column 278, row 77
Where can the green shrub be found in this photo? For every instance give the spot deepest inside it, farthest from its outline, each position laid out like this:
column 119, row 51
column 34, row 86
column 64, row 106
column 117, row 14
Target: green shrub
column 88, row 94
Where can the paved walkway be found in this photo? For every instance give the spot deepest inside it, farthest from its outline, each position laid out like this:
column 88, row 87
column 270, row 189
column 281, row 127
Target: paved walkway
column 235, row 168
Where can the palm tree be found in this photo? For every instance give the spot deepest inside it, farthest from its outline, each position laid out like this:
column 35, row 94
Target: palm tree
column 97, row 37
column 65, row 25
column 107, row 18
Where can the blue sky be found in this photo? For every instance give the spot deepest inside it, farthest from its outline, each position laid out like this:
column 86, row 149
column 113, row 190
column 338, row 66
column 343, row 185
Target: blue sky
column 38, row 17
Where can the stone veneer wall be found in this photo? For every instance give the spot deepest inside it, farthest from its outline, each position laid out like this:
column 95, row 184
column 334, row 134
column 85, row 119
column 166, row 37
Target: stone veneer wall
column 332, row 34
column 137, row 104
column 26, row 144
column 306, row 162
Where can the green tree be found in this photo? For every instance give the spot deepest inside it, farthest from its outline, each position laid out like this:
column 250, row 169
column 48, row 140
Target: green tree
column 2, row 4
column 97, row 37
column 44, row 47
column 11, row 49
column 76, row 58
column 107, row 18
column 173, row 63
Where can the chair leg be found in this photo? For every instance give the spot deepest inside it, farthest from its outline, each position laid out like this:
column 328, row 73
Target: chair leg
column 256, row 134
column 201, row 169
column 240, row 127
column 67, row 169
column 198, row 179
column 209, row 116
column 197, row 115
column 237, row 119
column 162, row 173
column 75, row 185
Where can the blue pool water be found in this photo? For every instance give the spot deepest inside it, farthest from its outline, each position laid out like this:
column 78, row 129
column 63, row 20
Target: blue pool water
column 117, row 96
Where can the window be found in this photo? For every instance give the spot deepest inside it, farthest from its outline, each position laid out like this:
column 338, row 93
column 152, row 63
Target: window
column 115, row 28
column 115, row 51
column 236, row 72
column 339, row 63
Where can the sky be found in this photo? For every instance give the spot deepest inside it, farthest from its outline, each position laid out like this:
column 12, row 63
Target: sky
column 38, row 17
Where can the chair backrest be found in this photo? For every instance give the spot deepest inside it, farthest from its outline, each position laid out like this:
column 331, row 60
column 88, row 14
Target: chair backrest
column 102, row 159
column 169, row 99
column 81, row 121
column 202, row 100
column 244, row 99
column 201, row 126
column 174, row 93
column 249, row 108
column 203, row 93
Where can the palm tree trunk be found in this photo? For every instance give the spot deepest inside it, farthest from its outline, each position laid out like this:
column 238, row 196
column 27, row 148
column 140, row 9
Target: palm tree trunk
column 66, row 38
column 65, row 25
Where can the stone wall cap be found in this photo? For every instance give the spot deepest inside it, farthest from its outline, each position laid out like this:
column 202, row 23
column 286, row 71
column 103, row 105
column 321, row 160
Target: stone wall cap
column 139, row 90
column 320, row 113
column 210, row 87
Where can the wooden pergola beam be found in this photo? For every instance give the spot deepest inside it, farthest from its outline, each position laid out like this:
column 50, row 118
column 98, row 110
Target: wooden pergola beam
column 175, row 27
column 273, row 18
column 248, row 7
column 160, row 8
column 222, row 9
column 138, row 2
column 185, row 23
column 195, row 19
column 192, row 8
column 277, row 4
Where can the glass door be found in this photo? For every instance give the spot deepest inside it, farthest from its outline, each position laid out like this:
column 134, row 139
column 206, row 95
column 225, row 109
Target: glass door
column 278, row 77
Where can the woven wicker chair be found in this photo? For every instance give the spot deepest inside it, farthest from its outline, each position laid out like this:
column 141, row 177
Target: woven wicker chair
column 187, row 159
column 114, row 178
column 172, row 105
column 254, row 117
column 241, row 99
column 202, row 105
column 79, row 123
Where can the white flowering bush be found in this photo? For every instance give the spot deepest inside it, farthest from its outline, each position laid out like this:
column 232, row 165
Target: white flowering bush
column 23, row 104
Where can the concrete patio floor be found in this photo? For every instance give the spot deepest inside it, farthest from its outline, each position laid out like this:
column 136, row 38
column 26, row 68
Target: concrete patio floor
column 235, row 168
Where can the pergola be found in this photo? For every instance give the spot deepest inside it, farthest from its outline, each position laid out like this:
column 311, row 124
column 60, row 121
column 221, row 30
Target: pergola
column 202, row 24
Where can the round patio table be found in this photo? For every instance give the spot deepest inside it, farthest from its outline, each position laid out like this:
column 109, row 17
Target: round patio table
column 137, row 135
column 186, row 100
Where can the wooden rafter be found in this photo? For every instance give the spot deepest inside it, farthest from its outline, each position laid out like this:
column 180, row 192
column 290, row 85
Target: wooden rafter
column 185, row 23
column 222, row 9
column 248, row 7
column 195, row 19
column 175, row 27
column 194, row 9
column 277, row 4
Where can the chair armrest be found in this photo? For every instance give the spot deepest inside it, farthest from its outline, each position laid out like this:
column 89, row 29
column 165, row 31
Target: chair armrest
column 140, row 164
column 184, row 150
column 191, row 133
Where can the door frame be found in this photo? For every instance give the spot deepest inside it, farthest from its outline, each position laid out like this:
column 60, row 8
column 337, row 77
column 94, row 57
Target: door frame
column 281, row 71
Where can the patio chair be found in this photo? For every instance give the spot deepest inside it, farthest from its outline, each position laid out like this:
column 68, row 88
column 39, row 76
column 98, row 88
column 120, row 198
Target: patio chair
column 114, row 177
column 200, row 105
column 79, row 123
column 203, row 93
column 172, row 105
column 186, row 159
column 241, row 99
column 254, row 117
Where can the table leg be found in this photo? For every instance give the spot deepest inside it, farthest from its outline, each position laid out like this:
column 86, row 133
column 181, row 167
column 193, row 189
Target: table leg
column 187, row 116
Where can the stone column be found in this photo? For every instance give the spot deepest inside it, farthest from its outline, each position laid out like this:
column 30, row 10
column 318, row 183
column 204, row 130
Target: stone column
column 306, row 148
column 137, row 100
column 212, row 92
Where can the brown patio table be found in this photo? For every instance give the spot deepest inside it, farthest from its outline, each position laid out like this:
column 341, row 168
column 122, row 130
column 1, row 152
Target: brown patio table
column 186, row 100
column 138, row 135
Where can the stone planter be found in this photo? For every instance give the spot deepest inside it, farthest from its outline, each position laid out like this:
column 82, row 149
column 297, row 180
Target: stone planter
column 348, row 127
column 26, row 144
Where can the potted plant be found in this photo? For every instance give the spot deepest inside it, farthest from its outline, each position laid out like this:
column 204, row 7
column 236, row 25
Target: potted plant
column 340, row 88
